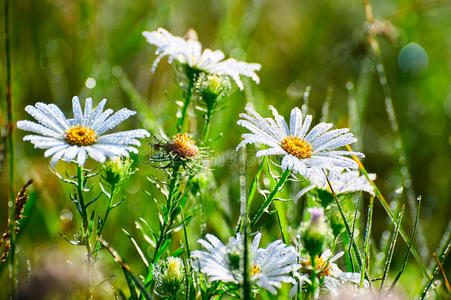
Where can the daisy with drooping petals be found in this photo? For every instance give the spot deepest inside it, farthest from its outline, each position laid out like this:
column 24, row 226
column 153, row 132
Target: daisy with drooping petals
column 302, row 149
column 189, row 51
column 342, row 181
column 329, row 274
column 269, row 267
column 84, row 135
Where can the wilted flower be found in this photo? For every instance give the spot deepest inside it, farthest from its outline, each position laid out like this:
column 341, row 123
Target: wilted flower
column 83, row 136
column 302, row 149
column 180, row 151
column 189, row 52
column 169, row 276
column 268, row 267
column 342, row 181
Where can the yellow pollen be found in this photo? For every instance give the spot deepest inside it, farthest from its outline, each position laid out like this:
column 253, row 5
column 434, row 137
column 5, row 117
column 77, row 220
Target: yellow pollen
column 297, row 147
column 255, row 270
column 80, row 136
column 182, row 146
column 323, row 268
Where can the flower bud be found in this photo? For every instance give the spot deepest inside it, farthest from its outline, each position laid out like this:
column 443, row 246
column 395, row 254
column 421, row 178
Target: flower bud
column 169, row 276
column 315, row 234
column 117, row 169
column 212, row 89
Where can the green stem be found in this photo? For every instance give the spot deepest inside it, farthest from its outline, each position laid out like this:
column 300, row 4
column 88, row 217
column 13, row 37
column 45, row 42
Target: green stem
column 207, row 126
column 110, row 200
column 168, row 221
column 313, row 277
column 271, row 196
column 181, row 121
column 86, row 237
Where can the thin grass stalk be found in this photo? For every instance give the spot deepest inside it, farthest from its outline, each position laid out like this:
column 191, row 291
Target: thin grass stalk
column 442, row 270
column 246, row 291
column 391, row 249
column 366, row 245
column 387, row 209
column 441, row 260
column 348, row 230
column 271, row 196
column 399, row 144
column 412, row 239
column 446, row 238
column 357, row 206
column 10, row 154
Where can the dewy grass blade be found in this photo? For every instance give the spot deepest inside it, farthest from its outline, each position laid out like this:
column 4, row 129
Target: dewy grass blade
column 405, row 174
column 412, row 239
column 391, row 249
column 270, row 198
column 366, row 245
column 390, row 214
column 443, row 254
column 348, row 230
column 246, row 291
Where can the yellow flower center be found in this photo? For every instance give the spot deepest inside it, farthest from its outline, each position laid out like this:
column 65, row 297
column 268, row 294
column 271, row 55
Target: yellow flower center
column 80, row 136
column 182, row 146
column 297, row 147
column 323, row 268
column 255, row 270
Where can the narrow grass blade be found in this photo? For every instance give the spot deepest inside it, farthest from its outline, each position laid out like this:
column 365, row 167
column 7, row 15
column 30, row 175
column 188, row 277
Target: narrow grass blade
column 412, row 239
column 390, row 214
column 270, row 198
column 402, row 157
column 391, row 249
column 366, row 245
column 441, row 259
column 128, row 273
column 348, row 230
column 138, row 249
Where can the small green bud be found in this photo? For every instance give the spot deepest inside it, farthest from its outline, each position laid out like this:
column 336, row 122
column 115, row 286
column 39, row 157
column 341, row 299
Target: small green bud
column 116, row 170
column 212, row 88
column 316, row 232
column 169, row 276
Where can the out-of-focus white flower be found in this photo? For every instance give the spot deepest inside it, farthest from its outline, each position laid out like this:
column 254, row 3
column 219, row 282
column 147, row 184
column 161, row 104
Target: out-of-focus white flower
column 333, row 279
column 269, row 267
column 342, row 181
column 303, row 150
column 189, row 51
column 83, row 136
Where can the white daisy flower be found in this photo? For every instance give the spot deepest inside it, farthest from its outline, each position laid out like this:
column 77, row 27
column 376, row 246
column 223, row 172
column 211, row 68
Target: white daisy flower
column 190, row 52
column 84, row 135
column 329, row 272
column 342, row 181
column 302, row 149
column 269, row 267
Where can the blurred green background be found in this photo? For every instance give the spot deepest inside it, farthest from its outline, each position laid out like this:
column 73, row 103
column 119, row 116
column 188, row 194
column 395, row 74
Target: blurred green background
column 58, row 45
